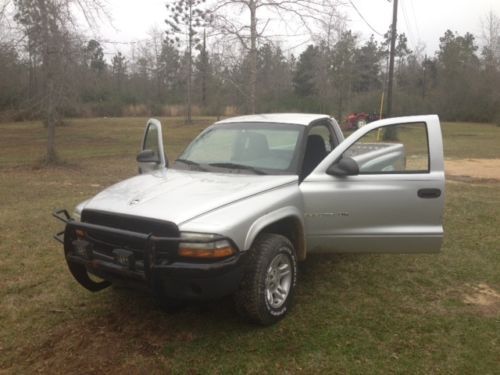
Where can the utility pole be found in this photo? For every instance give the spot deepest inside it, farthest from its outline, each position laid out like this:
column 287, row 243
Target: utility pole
column 424, row 80
column 190, row 63
column 391, row 57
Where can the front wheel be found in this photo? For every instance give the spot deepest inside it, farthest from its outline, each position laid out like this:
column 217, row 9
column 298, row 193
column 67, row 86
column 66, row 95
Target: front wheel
column 266, row 292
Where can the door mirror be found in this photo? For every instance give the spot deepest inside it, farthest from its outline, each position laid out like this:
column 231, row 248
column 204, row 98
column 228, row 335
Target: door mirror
column 346, row 166
column 147, row 156
column 152, row 156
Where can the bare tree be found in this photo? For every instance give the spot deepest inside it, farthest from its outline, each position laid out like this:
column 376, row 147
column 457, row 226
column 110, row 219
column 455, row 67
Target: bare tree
column 48, row 26
column 3, row 8
column 254, row 29
column 491, row 36
column 9, row 33
column 491, row 62
column 333, row 24
column 156, row 43
column 118, row 71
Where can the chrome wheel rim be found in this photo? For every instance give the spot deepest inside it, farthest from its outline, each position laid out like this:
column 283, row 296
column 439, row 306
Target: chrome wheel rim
column 278, row 280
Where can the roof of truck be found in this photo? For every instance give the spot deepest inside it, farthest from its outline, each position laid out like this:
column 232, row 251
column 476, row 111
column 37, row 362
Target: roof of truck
column 283, row 118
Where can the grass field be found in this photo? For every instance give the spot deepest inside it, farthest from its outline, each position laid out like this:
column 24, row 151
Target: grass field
column 353, row 313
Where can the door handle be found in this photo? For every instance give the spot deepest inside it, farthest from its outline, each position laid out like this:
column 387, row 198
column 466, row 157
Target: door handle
column 429, row 193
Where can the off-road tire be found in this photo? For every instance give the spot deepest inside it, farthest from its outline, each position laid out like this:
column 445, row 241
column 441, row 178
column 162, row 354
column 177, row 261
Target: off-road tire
column 250, row 299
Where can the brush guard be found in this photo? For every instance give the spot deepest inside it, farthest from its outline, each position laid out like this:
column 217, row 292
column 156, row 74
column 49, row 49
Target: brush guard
column 76, row 236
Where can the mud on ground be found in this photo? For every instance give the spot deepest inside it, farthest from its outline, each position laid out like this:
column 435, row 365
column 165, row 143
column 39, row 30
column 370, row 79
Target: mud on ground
column 473, row 170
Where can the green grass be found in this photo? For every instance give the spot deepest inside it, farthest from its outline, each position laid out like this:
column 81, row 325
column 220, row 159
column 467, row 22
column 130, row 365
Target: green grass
column 353, row 313
column 470, row 140
column 24, row 143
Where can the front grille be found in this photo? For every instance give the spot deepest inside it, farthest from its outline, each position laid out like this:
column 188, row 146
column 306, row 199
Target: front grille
column 105, row 243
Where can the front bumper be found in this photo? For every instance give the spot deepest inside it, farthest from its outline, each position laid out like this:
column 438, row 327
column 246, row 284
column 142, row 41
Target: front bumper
column 153, row 266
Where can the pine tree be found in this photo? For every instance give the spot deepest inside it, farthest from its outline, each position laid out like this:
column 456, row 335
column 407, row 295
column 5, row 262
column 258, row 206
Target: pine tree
column 303, row 79
column 185, row 18
column 119, row 70
column 95, row 55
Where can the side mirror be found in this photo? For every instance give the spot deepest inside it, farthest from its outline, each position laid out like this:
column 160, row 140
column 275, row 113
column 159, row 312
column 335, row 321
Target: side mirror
column 152, row 155
column 346, row 166
column 147, row 156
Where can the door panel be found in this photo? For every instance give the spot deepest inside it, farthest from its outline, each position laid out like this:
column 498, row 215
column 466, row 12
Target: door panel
column 388, row 207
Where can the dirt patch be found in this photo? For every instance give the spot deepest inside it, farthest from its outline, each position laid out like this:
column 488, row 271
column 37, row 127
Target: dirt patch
column 104, row 344
column 484, row 298
column 473, row 170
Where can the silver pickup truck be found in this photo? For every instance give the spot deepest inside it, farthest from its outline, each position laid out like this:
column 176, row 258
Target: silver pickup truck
column 249, row 198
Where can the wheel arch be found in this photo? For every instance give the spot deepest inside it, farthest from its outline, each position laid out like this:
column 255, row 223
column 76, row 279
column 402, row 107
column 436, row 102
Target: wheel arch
column 287, row 222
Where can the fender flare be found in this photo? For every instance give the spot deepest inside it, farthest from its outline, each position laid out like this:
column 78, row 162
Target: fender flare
column 288, row 212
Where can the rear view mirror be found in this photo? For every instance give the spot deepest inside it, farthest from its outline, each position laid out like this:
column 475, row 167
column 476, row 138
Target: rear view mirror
column 346, row 166
column 147, row 156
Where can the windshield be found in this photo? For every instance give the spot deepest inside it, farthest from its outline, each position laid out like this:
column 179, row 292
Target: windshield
column 247, row 147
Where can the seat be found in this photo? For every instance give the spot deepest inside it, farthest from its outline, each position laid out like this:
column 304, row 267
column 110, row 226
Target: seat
column 252, row 146
column 315, row 152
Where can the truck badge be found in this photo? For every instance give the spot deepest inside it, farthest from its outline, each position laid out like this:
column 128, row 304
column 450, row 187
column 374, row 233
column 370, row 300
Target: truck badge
column 134, row 201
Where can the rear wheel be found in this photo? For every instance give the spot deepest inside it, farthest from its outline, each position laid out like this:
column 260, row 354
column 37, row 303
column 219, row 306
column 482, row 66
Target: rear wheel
column 266, row 292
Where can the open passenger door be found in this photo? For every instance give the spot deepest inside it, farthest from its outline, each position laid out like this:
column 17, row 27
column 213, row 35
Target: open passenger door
column 152, row 155
column 381, row 190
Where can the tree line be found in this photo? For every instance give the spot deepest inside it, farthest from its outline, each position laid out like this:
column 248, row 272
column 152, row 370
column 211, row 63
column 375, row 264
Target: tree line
column 53, row 71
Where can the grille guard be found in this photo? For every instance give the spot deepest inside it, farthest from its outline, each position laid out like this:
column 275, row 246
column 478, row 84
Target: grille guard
column 64, row 216
column 151, row 253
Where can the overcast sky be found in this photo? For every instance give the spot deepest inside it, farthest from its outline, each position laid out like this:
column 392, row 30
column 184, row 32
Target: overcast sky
column 423, row 21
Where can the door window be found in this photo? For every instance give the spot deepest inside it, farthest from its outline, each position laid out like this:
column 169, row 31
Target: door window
column 399, row 148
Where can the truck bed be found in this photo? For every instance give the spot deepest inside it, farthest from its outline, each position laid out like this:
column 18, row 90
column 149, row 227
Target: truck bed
column 376, row 157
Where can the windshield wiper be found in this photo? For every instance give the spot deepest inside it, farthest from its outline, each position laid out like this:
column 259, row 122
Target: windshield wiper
column 191, row 163
column 237, row 166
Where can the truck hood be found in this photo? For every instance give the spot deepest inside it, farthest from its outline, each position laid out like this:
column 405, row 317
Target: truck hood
column 179, row 196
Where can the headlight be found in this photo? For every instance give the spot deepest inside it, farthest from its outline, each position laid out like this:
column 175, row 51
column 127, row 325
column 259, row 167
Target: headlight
column 211, row 248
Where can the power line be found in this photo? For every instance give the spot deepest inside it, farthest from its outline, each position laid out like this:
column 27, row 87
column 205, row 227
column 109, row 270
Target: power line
column 296, row 46
column 106, row 41
column 364, row 19
column 407, row 23
column 415, row 19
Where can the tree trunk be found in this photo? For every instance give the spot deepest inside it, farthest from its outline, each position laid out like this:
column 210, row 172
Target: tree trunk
column 49, row 92
column 253, row 56
column 32, row 71
column 190, row 65
column 204, row 72
column 340, row 108
column 51, row 123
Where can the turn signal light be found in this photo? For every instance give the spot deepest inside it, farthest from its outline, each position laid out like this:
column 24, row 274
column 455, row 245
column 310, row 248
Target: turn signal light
column 214, row 248
column 221, row 252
